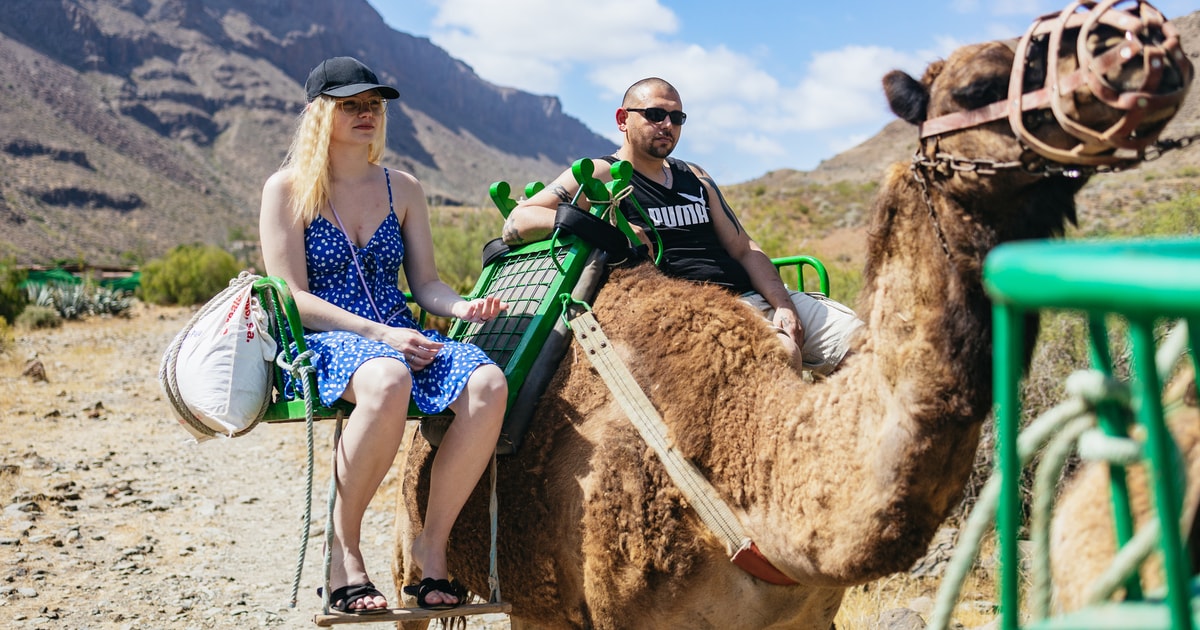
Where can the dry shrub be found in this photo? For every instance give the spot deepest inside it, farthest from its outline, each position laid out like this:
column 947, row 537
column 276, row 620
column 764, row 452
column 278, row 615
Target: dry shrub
column 38, row 317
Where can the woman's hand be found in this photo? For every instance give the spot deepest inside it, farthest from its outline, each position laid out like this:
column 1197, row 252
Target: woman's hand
column 478, row 310
column 419, row 350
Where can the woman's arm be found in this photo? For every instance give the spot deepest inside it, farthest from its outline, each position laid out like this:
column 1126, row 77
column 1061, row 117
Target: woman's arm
column 428, row 290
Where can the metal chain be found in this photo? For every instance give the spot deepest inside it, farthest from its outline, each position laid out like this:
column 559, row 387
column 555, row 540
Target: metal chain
column 920, row 177
column 985, row 166
column 921, row 167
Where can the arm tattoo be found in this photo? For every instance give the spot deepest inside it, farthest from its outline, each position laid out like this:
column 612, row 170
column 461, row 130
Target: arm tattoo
column 724, row 204
column 511, row 235
column 561, row 193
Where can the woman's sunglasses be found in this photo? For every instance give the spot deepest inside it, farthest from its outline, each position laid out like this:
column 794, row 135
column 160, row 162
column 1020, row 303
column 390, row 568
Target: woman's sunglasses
column 354, row 107
column 658, row 114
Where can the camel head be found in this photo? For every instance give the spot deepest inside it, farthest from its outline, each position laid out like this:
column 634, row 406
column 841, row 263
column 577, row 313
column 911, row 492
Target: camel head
column 1085, row 89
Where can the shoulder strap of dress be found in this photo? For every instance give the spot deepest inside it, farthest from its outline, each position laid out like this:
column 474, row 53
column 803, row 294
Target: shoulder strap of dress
column 387, row 177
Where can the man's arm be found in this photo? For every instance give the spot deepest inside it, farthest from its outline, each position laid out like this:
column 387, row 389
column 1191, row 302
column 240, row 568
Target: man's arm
column 757, row 264
column 533, row 219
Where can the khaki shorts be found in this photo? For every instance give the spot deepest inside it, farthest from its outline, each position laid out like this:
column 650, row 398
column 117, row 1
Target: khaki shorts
column 828, row 326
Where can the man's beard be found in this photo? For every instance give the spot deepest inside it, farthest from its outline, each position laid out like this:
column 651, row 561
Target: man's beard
column 660, row 152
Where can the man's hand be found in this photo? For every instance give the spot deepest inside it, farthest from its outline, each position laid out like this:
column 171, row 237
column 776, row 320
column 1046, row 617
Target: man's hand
column 787, row 321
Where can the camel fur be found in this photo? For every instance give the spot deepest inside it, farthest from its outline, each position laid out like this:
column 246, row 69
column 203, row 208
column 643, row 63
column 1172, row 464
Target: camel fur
column 839, row 482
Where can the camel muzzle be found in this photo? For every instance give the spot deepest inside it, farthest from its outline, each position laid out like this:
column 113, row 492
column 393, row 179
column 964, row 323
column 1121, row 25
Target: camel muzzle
column 1127, row 61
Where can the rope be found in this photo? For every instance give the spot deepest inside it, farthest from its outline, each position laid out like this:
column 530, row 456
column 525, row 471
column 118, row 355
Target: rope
column 1072, row 420
column 1053, row 459
column 616, row 200
column 493, row 514
column 329, row 505
column 984, row 513
column 166, row 368
column 1127, row 560
column 1133, row 554
column 300, row 370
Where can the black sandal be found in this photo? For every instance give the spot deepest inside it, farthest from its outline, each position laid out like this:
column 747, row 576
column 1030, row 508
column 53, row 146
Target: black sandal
column 430, row 585
column 350, row 594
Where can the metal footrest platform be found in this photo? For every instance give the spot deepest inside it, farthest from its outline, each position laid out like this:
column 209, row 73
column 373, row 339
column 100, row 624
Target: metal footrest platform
column 411, row 614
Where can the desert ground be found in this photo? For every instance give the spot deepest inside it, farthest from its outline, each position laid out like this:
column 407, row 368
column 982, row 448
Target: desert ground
column 113, row 519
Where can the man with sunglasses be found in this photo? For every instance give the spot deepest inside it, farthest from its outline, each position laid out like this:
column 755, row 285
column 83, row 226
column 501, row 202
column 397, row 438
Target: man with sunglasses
column 702, row 240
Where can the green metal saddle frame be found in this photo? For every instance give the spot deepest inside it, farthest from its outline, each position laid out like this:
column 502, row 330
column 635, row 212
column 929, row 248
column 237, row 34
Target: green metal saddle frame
column 526, row 341
column 1141, row 282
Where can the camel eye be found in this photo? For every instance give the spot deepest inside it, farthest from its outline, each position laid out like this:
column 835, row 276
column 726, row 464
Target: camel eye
column 982, row 92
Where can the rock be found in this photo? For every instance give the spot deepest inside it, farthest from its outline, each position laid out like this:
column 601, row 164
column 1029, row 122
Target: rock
column 22, row 507
column 922, row 605
column 938, row 556
column 901, row 619
column 34, row 370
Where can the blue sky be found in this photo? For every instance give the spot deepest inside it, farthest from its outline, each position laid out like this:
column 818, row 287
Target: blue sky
column 766, row 84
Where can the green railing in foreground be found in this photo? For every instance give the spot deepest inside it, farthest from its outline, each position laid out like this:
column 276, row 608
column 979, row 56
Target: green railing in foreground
column 1143, row 282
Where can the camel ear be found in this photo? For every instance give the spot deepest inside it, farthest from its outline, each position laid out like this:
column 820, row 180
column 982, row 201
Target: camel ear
column 906, row 96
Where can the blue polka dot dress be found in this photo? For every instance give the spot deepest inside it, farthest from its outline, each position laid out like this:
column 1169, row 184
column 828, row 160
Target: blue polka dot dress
column 333, row 277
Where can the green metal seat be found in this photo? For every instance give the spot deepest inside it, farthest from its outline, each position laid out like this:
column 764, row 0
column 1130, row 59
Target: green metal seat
column 1141, row 282
column 286, row 328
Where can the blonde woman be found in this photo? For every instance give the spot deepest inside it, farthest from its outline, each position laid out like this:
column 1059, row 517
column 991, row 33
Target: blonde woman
column 338, row 227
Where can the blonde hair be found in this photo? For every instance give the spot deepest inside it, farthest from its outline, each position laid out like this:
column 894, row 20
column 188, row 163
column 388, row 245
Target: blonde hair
column 307, row 160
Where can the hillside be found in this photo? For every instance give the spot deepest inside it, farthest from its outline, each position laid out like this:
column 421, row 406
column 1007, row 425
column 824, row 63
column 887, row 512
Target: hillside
column 129, row 126
column 824, row 210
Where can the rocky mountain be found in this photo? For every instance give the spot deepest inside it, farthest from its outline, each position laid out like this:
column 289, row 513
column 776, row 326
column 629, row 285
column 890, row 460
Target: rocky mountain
column 130, row 126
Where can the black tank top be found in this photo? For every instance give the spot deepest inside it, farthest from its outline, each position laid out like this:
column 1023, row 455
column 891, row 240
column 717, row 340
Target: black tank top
column 681, row 214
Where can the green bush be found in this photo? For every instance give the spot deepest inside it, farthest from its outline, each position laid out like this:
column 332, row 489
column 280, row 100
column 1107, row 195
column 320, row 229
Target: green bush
column 12, row 298
column 1177, row 217
column 187, row 275
column 35, row 317
column 459, row 235
column 6, row 336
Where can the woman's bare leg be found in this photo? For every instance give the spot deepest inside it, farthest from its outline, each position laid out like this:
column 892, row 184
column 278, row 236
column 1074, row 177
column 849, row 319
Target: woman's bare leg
column 463, row 455
column 380, row 391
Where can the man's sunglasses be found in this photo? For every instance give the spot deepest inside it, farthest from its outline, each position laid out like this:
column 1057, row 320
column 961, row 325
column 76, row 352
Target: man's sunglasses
column 658, row 114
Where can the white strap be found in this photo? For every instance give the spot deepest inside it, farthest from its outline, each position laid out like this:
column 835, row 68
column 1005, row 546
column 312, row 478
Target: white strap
column 700, row 494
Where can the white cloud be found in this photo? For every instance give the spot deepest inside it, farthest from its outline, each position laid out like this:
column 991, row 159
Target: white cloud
column 741, row 117
column 532, row 44
column 760, row 145
column 842, row 87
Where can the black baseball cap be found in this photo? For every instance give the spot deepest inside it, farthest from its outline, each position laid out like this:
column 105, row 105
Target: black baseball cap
column 340, row 77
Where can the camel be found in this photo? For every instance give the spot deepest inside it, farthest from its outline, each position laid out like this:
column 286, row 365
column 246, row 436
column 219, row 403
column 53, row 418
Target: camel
column 840, row 481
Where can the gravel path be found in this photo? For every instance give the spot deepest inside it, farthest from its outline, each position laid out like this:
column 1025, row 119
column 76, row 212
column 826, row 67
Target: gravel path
column 112, row 520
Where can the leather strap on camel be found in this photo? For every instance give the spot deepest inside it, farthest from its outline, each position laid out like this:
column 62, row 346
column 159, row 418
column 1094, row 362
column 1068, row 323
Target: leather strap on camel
column 1141, row 26
column 700, row 494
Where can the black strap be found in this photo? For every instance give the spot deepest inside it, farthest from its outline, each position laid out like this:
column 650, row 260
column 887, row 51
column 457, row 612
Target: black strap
column 493, row 250
column 596, row 232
